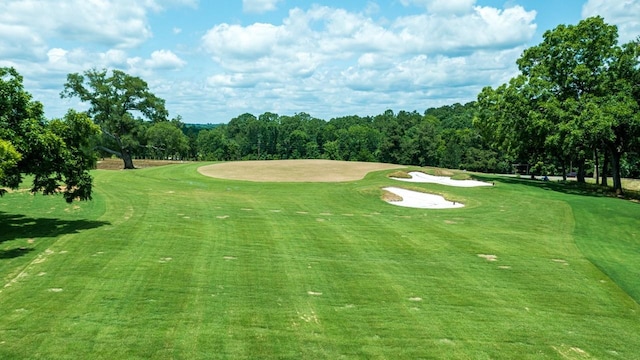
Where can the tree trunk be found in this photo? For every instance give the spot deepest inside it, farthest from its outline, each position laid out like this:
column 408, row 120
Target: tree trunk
column 596, row 171
column 605, row 168
column 615, row 169
column 580, row 173
column 564, row 171
column 126, row 158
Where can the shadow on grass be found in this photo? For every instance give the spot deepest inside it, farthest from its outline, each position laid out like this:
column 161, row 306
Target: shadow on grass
column 15, row 226
column 566, row 187
column 14, row 253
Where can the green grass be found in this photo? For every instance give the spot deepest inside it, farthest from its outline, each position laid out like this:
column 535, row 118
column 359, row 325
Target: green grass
column 167, row 264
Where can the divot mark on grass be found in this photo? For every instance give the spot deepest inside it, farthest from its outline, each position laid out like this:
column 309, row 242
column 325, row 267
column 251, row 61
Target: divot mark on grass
column 571, row 352
column 276, row 211
column 302, row 212
column 229, row 258
column 309, row 318
column 222, row 217
column 246, row 209
column 560, row 261
column 314, row 293
column 488, row 257
column 416, row 299
column 42, row 273
column 504, row 267
column 55, row 290
column 165, row 259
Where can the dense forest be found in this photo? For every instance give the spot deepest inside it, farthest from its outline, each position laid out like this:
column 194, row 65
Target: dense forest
column 442, row 137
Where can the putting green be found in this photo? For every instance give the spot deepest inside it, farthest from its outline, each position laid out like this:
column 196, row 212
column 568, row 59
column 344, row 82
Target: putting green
column 294, row 170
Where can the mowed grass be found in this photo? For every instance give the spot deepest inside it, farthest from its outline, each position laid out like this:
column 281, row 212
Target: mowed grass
column 166, row 263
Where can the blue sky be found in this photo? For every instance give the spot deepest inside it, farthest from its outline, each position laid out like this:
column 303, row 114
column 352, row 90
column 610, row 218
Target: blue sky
column 214, row 60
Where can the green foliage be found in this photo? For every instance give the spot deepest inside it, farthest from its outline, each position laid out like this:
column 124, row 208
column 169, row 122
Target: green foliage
column 441, row 137
column 113, row 103
column 56, row 153
column 9, row 159
column 166, row 140
column 576, row 97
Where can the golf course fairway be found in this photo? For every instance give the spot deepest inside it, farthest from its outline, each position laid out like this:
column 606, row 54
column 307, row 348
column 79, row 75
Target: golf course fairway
column 167, row 263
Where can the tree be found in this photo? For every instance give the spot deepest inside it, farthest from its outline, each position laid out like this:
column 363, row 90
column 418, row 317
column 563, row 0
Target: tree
column 114, row 101
column 9, row 158
column 576, row 94
column 55, row 153
column 167, row 140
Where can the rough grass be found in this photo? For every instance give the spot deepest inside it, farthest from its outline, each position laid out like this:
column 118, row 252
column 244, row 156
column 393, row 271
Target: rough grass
column 166, row 263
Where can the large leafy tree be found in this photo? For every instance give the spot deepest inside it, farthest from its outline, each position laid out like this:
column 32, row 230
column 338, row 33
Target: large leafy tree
column 56, row 153
column 118, row 103
column 576, row 94
column 167, row 140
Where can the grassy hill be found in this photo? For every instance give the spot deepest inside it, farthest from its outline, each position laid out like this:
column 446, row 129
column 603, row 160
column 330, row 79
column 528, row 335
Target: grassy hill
column 166, row 263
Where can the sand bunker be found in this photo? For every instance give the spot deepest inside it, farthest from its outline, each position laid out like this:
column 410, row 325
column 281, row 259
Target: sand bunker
column 293, row 170
column 420, row 200
column 442, row 180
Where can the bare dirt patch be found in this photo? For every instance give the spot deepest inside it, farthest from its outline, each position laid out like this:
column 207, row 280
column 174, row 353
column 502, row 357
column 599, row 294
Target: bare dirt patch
column 117, row 164
column 293, row 170
column 488, row 257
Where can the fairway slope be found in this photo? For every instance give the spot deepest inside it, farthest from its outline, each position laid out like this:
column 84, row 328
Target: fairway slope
column 166, row 263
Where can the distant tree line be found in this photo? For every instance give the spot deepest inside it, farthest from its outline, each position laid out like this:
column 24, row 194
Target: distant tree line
column 443, row 137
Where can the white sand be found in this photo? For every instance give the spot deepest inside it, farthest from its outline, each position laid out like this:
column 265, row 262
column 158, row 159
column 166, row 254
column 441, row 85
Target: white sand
column 442, row 180
column 420, row 200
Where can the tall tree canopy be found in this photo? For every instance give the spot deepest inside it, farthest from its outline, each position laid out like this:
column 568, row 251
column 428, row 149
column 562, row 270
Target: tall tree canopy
column 56, row 153
column 576, row 97
column 118, row 104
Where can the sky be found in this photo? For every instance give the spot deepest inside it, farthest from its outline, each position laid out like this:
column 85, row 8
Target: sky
column 212, row 60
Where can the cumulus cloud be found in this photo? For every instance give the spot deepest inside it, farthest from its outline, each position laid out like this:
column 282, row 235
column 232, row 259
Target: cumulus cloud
column 443, row 6
column 623, row 13
column 323, row 39
column 332, row 59
column 164, row 60
column 259, row 6
column 117, row 23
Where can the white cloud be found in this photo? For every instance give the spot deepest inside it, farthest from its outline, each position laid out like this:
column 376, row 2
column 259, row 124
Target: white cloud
column 623, row 13
column 331, row 60
column 259, row 6
column 116, row 23
column 443, row 6
column 323, row 39
column 164, row 60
